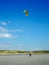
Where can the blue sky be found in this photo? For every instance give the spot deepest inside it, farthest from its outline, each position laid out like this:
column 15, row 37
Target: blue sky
column 21, row 32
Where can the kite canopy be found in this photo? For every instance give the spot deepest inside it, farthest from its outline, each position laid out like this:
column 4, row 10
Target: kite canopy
column 26, row 12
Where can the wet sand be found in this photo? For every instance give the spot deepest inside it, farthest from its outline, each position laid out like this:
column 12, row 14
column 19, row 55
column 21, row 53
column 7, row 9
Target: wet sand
column 24, row 59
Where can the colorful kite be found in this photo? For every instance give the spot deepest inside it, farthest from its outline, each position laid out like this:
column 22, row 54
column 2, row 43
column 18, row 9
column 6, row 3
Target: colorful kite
column 26, row 12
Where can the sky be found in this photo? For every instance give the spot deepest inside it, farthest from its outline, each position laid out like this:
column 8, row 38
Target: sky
column 21, row 32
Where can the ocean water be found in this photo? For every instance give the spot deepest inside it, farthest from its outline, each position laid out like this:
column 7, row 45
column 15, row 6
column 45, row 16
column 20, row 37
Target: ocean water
column 24, row 59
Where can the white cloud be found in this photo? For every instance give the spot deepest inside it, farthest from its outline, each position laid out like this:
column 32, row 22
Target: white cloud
column 3, row 23
column 2, row 29
column 5, row 35
column 17, row 30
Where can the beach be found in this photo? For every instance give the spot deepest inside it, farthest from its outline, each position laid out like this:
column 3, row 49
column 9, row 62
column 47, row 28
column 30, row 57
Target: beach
column 39, row 59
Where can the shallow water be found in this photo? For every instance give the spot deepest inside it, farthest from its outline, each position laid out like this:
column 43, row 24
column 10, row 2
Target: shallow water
column 24, row 60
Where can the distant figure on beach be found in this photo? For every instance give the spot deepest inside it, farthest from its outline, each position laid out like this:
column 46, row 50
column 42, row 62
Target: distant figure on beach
column 30, row 54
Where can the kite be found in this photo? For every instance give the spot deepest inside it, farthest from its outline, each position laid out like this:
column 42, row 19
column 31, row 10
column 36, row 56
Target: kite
column 26, row 12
